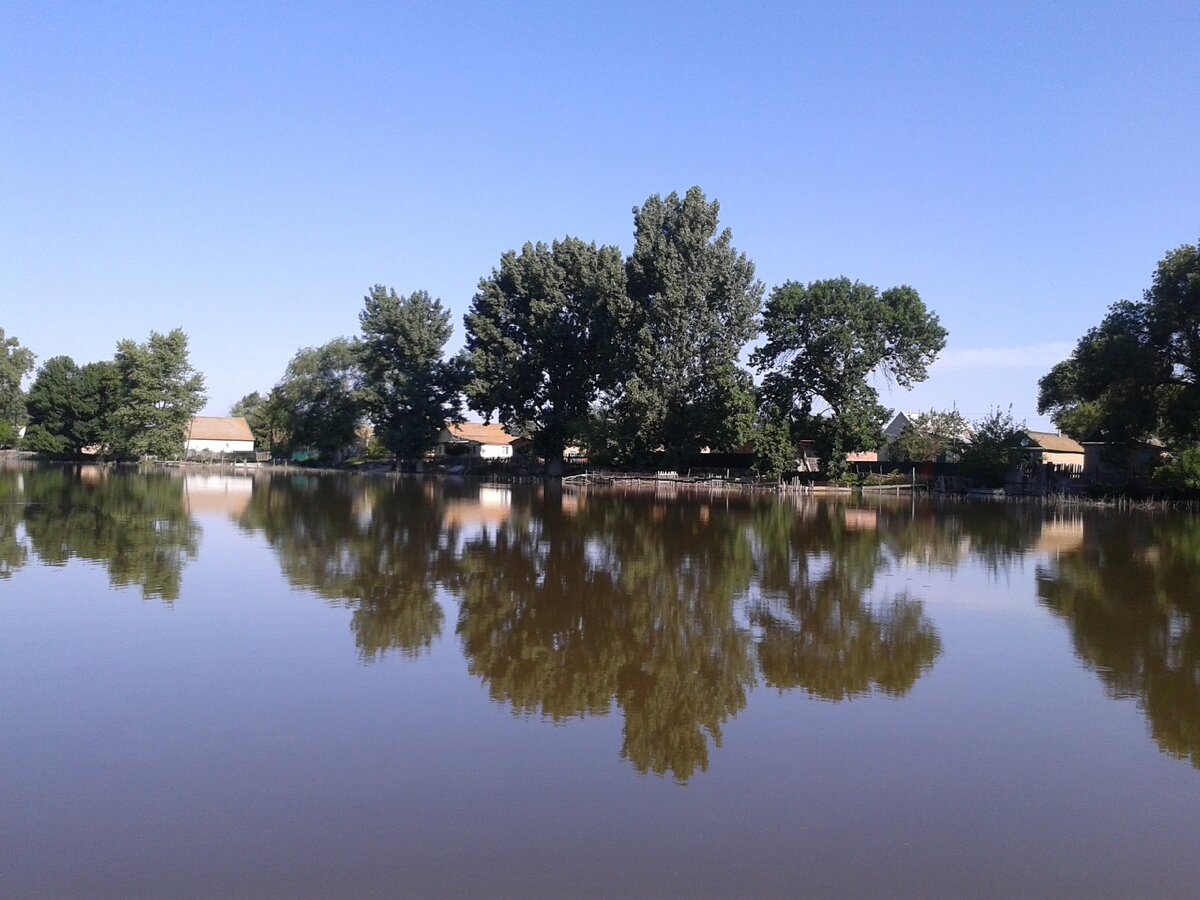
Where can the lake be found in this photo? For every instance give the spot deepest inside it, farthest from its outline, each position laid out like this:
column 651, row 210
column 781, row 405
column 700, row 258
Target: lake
column 306, row 685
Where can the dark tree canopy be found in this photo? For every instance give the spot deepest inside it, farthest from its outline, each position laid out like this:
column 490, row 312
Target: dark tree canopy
column 824, row 340
column 72, row 407
column 541, row 338
column 1137, row 373
column 408, row 390
column 693, row 303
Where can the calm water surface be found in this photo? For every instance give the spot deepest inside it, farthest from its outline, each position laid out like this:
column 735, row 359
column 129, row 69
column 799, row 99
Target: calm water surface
column 320, row 686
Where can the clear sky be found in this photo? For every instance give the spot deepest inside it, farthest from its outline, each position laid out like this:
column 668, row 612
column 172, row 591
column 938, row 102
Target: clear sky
column 248, row 170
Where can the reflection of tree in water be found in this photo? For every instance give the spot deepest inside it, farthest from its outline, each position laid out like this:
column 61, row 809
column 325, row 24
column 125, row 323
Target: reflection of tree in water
column 606, row 599
column 13, row 552
column 1131, row 595
column 818, row 632
column 620, row 600
column 135, row 524
column 374, row 545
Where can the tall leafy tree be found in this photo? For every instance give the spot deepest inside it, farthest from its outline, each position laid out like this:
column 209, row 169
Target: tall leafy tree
column 15, row 363
column 409, row 390
column 72, row 407
column 823, row 342
column 540, row 333
column 994, row 439
column 693, row 306
column 266, row 417
column 931, row 435
column 320, row 394
column 161, row 392
column 1137, row 373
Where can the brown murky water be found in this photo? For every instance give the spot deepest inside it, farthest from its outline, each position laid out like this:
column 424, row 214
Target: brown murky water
column 319, row 686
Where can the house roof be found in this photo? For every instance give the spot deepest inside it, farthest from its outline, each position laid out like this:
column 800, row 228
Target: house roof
column 478, row 433
column 1055, row 443
column 219, row 428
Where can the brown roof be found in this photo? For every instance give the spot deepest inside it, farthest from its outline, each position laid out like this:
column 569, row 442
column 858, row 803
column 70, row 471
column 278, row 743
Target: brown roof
column 219, row 428
column 1055, row 443
column 478, row 433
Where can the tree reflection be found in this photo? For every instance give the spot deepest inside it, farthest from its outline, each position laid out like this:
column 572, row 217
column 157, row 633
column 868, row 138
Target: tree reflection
column 1131, row 595
column 376, row 546
column 135, row 524
column 595, row 600
column 568, row 609
column 13, row 551
column 819, row 632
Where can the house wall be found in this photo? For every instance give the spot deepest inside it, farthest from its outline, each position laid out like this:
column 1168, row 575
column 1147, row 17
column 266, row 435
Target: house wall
column 493, row 451
column 1062, row 459
column 205, row 446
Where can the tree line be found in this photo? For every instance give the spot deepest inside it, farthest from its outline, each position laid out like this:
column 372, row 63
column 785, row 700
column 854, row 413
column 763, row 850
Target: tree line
column 136, row 404
column 632, row 357
column 570, row 342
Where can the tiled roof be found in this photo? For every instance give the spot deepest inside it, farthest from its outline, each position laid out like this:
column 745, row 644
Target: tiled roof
column 1055, row 443
column 219, row 428
column 478, row 433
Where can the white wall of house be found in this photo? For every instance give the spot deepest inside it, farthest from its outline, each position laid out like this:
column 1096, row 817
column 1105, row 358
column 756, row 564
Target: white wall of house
column 205, row 446
column 494, row 451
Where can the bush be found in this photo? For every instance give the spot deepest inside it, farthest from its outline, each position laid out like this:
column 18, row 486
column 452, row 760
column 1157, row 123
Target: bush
column 1181, row 474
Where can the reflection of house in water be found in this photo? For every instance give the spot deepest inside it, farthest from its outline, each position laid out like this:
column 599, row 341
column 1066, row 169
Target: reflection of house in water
column 862, row 519
column 214, row 495
column 1060, row 535
column 490, row 508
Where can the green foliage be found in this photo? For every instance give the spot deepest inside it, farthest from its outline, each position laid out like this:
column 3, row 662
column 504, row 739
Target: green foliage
column 930, row 436
column 988, row 458
column 692, row 305
column 408, row 390
column 774, row 450
column 9, row 435
column 160, row 393
column 15, row 363
column 540, row 335
column 319, row 395
column 1136, row 374
column 265, row 418
column 823, row 341
column 1180, row 474
column 72, row 407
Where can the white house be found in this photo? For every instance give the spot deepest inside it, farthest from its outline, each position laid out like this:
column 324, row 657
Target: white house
column 474, row 439
column 218, row 435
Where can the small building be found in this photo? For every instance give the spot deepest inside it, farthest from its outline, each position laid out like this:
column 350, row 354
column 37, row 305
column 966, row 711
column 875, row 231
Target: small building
column 1055, row 449
column 1106, row 461
column 218, row 436
column 475, row 440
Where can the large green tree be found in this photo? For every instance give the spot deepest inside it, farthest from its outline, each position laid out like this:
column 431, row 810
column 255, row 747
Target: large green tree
column 408, row 389
column 320, row 394
column 267, row 418
column 693, row 303
column 72, row 407
column 823, row 342
column 161, row 392
column 15, row 363
column 1137, row 373
column 540, row 333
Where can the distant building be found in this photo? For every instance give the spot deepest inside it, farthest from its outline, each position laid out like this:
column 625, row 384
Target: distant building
column 1119, row 462
column 1046, row 447
column 474, row 439
column 218, row 436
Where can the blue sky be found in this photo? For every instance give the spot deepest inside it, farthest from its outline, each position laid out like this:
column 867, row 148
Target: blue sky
column 248, row 170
